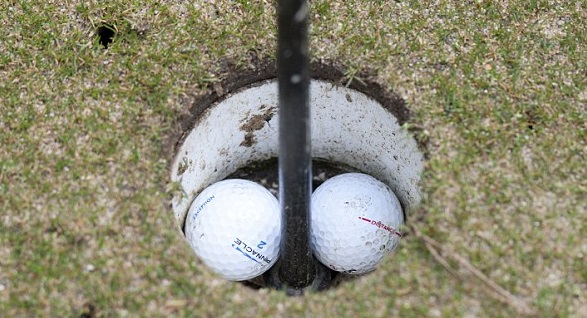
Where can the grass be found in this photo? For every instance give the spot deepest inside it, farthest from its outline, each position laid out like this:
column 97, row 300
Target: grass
column 499, row 90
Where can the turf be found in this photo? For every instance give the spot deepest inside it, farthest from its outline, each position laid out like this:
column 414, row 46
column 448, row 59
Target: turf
column 498, row 89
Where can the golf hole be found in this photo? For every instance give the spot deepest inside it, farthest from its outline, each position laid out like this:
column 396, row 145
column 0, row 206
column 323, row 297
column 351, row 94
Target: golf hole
column 105, row 34
column 234, row 134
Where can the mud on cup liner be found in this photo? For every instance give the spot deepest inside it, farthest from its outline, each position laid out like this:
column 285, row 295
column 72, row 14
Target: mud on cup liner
column 349, row 129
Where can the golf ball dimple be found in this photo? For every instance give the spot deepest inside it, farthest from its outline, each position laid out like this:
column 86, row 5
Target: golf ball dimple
column 234, row 227
column 355, row 222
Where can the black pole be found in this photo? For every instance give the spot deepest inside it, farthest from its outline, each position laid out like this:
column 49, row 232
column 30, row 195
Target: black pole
column 296, row 266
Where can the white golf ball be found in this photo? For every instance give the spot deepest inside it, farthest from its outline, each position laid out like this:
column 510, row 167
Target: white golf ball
column 355, row 222
column 234, row 226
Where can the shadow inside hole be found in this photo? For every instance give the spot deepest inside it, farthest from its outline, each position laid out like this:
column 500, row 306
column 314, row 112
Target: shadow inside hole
column 105, row 35
column 266, row 174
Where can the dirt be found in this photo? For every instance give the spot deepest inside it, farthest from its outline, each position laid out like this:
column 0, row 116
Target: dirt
column 254, row 123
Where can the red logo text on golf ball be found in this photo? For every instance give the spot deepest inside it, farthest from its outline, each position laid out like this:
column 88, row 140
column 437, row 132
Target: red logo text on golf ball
column 381, row 226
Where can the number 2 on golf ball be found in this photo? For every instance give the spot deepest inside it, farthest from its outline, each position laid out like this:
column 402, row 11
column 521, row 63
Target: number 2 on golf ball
column 234, row 226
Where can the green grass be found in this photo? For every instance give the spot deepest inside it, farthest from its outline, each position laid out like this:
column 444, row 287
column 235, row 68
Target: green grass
column 498, row 88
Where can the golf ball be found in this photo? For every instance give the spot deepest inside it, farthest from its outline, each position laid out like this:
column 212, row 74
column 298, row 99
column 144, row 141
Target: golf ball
column 355, row 221
column 234, row 226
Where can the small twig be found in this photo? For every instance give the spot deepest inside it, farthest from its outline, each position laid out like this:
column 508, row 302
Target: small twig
column 497, row 291
column 441, row 260
column 444, row 262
